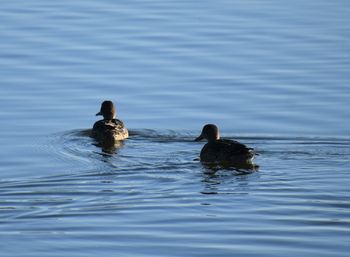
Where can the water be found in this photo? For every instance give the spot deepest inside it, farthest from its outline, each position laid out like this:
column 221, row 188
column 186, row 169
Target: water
column 271, row 74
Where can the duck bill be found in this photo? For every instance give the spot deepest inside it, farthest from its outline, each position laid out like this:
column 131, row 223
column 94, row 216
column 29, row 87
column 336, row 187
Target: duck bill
column 99, row 113
column 199, row 138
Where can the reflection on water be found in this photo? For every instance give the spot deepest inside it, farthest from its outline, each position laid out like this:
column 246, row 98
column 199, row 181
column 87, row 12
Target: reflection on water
column 154, row 191
column 110, row 149
column 240, row 168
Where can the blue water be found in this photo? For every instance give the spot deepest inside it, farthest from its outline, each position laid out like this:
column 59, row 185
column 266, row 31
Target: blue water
column 271, row 74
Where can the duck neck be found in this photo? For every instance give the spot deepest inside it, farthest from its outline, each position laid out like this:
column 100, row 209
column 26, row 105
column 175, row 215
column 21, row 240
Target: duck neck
column 212, row 140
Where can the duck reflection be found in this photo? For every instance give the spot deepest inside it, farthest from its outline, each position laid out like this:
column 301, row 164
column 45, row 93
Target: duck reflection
column 110, row 149
column 226, row 181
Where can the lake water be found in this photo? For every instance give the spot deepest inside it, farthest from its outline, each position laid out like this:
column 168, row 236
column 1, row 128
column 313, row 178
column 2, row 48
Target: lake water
column 272, row 74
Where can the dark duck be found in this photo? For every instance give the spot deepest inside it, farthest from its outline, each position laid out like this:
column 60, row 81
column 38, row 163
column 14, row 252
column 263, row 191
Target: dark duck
column 109, row 130
column 224, row 151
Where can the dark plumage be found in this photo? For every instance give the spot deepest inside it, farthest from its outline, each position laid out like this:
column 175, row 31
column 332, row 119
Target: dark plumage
column 107, row 110
column 109, row 130
column 223, row 150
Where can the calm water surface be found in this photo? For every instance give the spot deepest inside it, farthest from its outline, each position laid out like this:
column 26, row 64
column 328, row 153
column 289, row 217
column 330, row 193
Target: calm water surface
column 272, row 74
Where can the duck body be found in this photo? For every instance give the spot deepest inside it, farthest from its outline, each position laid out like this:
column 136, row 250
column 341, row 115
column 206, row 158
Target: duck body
column 224, row 151
column 109, row 130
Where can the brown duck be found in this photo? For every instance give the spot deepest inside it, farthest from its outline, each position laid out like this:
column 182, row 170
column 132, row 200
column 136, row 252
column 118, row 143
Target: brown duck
column 109, row 130
column 223, row 150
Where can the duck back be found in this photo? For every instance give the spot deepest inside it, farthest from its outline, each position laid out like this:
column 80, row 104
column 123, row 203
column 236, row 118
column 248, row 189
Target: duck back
column 224, row 150
column 107, row 132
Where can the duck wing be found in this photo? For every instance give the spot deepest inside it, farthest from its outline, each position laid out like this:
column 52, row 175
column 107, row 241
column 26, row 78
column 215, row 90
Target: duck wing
column 232, row 147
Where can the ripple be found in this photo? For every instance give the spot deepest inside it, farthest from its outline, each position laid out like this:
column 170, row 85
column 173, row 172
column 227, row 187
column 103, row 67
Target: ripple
column 271, row 74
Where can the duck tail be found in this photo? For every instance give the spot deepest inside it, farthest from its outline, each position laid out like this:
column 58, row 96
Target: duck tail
column 252, row 151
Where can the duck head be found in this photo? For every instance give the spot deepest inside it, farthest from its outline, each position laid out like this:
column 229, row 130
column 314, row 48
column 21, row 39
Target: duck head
column 107, row 110
column 209, row 132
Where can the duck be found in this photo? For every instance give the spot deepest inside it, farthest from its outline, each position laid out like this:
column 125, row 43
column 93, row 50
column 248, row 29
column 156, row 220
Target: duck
column 224, row 151
column 109, row 130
